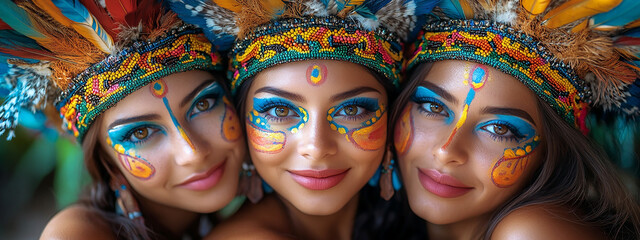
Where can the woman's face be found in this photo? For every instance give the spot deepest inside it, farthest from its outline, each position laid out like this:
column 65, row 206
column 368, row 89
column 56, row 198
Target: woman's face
column 467, row 141
column 316, row 131
column 177, row 141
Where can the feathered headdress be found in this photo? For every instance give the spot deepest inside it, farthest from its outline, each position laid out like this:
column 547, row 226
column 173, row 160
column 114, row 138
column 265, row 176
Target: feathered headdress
column 87, row 55
column 574, row 54
column 271, row 32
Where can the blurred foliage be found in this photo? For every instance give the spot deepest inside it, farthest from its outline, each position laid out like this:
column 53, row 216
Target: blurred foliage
column 36, row 154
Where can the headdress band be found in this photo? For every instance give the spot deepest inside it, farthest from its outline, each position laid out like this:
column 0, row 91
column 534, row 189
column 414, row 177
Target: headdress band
column 105, row 83
column 509, row 51
column 332, row 38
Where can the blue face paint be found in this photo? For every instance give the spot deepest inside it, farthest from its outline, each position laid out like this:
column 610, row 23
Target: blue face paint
column 212, row 94
column 428, row 99
column 268, row 108
column 124, row 134
column 519, row 129
column 363, row 106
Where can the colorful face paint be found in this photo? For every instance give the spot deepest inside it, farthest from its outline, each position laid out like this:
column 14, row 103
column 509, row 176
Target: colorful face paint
column 261, row 135
column 478, row 78
column 124, row 142
column 371, row 134
column 316, row 74
column 403, row 134
column 508, row 169
column 427, row 99
column 159, row 89
column 230, row 124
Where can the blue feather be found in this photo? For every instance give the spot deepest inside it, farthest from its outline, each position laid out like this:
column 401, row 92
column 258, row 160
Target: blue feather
column 188, row 12
column 635, row 32
column 10, row 38
column 18, row 19
column 452, row 8
column 375, row 5
column 624, row 13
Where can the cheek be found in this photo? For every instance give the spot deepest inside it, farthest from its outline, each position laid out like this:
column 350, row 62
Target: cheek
column 514, row 163
column 132, row 163
column 264, row 140
column 230, row 126
column 403, row 134
column 372, row 137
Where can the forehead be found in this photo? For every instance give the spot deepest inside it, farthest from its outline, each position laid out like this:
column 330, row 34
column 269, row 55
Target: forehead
column 499, row 89
column 293, row 77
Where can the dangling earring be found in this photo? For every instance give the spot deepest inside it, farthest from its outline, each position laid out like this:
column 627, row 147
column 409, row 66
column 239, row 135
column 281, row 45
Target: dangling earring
column 250, row 183
column 126, row 204
column 389, row 180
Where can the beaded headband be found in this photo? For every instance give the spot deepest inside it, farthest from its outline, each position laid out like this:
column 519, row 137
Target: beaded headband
column 105, row 83
column 511, row 52
column 268, row 33
column 292, row 40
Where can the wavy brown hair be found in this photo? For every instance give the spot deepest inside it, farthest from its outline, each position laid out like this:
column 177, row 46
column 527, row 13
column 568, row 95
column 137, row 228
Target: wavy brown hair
column 575, row 174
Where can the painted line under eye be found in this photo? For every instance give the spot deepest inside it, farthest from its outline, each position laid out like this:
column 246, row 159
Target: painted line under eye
column 120, row 134
column 522, row 127
column 214, row 90
column 423, row 95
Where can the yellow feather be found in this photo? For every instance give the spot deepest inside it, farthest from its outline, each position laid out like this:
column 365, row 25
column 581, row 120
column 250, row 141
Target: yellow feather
column 466, row 8
column 535, row 7
column 273, row 5
column 633, row 24
column 103, row 42
column 573, row 10
column 349, row 5
column 583, row 25
column 231, row 5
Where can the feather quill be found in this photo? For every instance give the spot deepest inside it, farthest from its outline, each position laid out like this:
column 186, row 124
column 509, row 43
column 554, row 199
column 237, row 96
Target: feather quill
column 618, row 17
column 100, row 13
column 73, row 14
column 18, row 20
column 458, row 9
column 573, row 10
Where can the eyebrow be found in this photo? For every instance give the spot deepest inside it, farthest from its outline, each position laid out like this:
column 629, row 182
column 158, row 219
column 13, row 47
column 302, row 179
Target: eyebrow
column 195, row 91
column 282, row 93
column 438, row 90
column 353, row 92
column 147, row 117
column 509, row 111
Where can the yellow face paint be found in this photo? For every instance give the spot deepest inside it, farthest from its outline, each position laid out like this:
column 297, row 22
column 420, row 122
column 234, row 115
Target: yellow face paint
column 404, row 131
column 513, row 163
column 264, row 140
column 159, row 89
column 230, row 123
column 316, row 74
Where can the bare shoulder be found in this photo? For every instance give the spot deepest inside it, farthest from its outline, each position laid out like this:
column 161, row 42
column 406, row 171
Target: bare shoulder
column 264, row 220
column 544, row 222
column 77, row 222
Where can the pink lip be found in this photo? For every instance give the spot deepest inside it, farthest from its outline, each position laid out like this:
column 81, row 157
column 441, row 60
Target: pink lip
column 441, row 184
column 318, row 179
column 205, row 180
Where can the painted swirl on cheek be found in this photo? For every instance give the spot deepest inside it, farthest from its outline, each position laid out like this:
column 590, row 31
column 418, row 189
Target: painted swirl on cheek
column 370, row 136
column 403, row 135
column 159, row 89
column 137, row 166
column 263, row 139
column 478, row 78
column 230, row 123
column 316, row 74
column 508, row 169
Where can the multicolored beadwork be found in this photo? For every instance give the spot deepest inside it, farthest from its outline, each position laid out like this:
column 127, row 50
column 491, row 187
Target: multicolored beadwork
column 105, row 83
column 509, row 51
column 331, row 38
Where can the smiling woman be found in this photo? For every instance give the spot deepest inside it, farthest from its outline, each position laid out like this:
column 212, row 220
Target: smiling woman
column 490, row 126
column 142, row 92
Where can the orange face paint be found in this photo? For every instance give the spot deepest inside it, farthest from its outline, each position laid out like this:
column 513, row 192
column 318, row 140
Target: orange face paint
column 316, row 74
column 403, row 134
column 264, row 140
column 230, row 124
column 513, row 163
column 372, row 137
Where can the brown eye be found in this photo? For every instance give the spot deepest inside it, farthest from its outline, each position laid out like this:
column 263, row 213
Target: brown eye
column 351, row 110
column 435, row 108
column 202, row 105
column 281, row 111
column 141, row 133
column 500, row 129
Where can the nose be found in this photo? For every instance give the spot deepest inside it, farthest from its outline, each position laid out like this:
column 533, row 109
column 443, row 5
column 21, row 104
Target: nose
column 189, row 148
column 453, row 150
column 317, row 138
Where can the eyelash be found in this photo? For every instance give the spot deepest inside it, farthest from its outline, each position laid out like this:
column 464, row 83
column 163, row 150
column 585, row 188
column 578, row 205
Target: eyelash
column 214, row 97
column 367, row 105
column 515, row 134
column 271, row 105
column 424, row 100
column 127, row 138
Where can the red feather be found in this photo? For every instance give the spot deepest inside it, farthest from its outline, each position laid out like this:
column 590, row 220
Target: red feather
column 102, row 16
column 29, row 53
column 148, row 13
column 628, row 41
column 4, row 26
column 119, row 9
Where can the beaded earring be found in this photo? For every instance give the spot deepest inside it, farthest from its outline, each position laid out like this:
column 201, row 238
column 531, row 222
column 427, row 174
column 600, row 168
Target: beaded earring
column 126, row 204
column 386, row 177
column 250, row 183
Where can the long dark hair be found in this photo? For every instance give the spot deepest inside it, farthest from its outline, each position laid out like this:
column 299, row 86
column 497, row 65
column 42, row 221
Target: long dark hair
column 375, row 218
column 574, row 174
